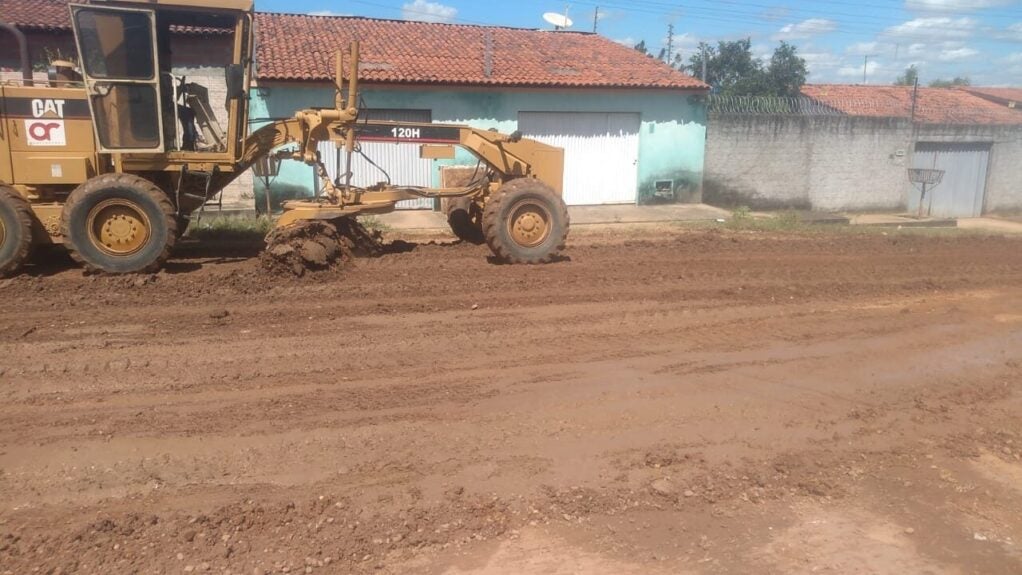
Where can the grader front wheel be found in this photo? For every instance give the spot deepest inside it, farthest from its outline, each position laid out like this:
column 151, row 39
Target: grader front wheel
column 119, row 223
column 15, row 231
column 525, row 222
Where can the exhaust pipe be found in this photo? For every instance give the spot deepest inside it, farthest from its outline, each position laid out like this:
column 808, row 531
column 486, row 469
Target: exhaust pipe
column 26, row 62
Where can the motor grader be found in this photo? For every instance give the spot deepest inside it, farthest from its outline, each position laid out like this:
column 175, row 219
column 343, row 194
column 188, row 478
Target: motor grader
column 111, row 154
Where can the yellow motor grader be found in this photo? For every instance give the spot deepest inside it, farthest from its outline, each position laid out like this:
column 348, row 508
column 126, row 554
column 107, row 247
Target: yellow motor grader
column 112, row 154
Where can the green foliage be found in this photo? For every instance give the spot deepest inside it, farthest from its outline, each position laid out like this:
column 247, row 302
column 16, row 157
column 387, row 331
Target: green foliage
column 909, row 78
column 373, row 224
column 786, row 72
column 956, row 81
column 641, row 48
column 732, row 70
column 252, row 228
column 742, row 219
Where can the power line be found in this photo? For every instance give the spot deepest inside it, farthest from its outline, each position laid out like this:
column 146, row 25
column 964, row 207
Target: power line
column 861, row 29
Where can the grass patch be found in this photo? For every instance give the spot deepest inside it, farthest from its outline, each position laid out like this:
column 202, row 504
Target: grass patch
column 743, row 219
column 373, row 224
column 249, row 228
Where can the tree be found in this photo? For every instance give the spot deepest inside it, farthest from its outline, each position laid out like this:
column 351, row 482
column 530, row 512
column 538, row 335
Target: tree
column 956, row 81
column 909, row 78
column 641, row 47
column 731, row 69
column 787, row 71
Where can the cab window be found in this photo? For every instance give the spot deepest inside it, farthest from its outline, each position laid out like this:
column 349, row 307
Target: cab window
column 116, row 44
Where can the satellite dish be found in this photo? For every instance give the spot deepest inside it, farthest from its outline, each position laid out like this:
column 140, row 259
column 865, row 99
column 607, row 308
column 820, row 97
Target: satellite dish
column 560, row 21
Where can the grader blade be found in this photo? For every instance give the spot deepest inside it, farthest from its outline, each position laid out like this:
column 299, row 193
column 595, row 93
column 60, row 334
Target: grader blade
column 313, row 245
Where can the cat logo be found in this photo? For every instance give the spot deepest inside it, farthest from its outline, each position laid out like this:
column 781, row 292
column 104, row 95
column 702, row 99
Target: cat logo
column 47, row 127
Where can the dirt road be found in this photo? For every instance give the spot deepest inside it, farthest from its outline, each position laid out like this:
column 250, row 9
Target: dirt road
column 667, row 401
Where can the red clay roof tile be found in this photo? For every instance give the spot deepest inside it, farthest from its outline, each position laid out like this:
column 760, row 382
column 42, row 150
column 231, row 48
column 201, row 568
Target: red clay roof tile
column 301, row 47
column 1011, row 97
column 933, row 105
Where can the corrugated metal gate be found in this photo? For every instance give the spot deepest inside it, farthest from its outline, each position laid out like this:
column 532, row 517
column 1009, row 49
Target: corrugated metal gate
column 400, row 161
column 601, row 152
column 961, row 192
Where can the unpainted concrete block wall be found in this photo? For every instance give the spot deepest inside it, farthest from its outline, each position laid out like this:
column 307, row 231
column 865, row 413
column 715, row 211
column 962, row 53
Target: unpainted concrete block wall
column 821, row 163
column 1003, row 193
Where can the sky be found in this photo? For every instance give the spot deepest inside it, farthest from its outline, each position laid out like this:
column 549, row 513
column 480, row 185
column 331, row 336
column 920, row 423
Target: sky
column 839, row 39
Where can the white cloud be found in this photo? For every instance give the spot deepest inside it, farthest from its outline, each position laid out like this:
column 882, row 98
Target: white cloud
column 426, row 11
column 806, row 29
column 1014, row 58
column 820, row 64
column 937, row 27
column 629, row 41
column 953, row 5
column 856, row 71
column 327, row 13
column 955, row 54
column 863, row 48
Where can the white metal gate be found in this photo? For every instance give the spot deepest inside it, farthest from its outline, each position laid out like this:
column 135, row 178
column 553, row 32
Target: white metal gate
column 960, row 192
column 400, row 160
column 601, row 152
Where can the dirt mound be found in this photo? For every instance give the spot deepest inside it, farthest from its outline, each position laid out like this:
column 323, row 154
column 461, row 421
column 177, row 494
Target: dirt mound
column 318, row 245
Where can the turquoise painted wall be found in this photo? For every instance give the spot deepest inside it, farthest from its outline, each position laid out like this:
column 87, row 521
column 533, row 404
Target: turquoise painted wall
column 672, row 138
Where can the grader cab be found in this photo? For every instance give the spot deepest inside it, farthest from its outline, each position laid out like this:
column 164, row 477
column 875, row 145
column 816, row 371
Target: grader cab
column 112, row 154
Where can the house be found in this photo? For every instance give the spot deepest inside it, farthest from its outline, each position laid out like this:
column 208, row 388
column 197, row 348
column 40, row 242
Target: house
column 851, row 148
column 633, row 129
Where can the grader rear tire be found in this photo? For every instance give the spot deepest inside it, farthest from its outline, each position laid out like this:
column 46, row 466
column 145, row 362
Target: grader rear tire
column 525, row 222
column 15, row 231
column 119, row 224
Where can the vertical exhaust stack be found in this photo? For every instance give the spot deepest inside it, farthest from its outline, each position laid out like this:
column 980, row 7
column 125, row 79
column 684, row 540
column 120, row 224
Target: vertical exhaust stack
column 26, row 62
column 349, row 142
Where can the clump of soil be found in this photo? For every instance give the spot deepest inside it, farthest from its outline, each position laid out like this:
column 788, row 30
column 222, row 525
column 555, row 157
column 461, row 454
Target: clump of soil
column 314, row 245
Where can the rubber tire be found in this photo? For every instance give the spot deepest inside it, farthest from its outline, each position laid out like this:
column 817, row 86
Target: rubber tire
column 465, row 225
column 498, row 210
column 17, row 218
column 147, row 197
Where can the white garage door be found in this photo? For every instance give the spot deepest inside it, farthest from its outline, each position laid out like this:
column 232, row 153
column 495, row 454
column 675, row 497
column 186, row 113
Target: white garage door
column 400, row 161
column 601, row 152
column 960, row 192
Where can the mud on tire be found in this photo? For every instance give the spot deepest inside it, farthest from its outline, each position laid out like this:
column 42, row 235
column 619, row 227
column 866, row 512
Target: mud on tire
column 118, row 224
column 525, row 222
column 15, row 231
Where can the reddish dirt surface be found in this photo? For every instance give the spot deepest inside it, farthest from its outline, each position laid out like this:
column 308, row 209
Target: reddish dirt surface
column 665, row 401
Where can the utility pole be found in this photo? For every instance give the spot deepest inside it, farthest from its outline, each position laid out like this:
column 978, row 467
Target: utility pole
column 670, row 42
column 704, row 63
column 915, row 94
column 596, row 18
column 865, row 61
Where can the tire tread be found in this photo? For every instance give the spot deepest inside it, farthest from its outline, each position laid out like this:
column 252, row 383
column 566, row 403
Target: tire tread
column 491, row 222
column 23, row 212
column 82, row 193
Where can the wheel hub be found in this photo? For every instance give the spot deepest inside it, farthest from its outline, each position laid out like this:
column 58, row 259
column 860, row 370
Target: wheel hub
column 118, row 227
column 529, row 224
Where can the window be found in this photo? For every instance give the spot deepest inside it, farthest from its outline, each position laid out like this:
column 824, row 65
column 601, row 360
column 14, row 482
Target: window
column 116, row 44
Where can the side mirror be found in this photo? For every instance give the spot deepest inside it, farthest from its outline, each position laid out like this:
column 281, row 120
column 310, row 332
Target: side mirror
column 235, row 76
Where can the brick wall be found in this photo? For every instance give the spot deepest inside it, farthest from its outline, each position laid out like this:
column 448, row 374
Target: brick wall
column 840, row 163
column 201, row 59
